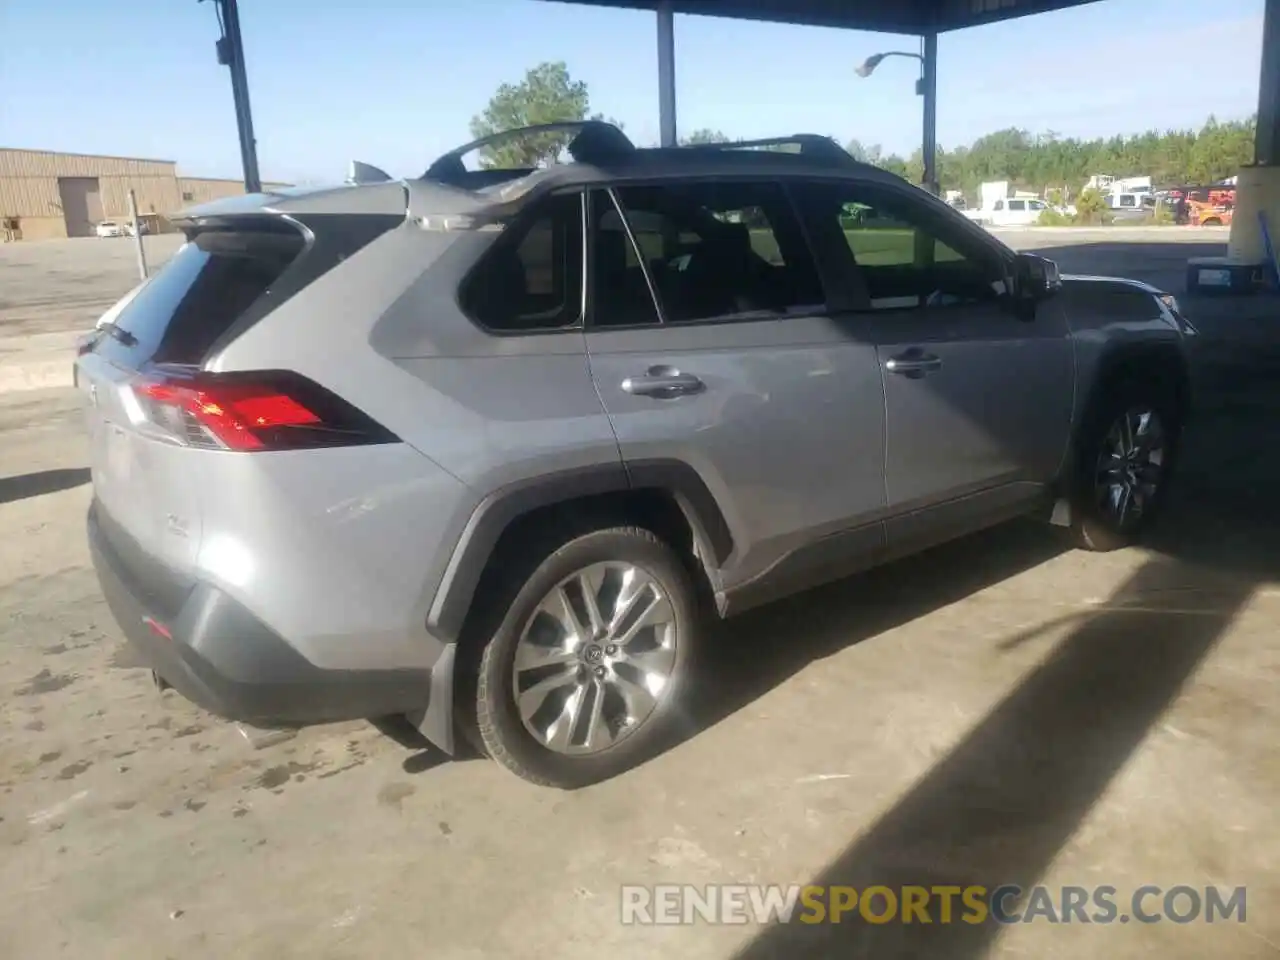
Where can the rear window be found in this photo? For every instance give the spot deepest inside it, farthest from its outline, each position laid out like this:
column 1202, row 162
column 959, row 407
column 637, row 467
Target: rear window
column 209, row 283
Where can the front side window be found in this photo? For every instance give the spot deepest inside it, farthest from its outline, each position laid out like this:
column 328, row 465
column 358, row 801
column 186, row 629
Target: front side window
column 1018, row 205
column 531, row 279
column 708, row 250
column 907, row 254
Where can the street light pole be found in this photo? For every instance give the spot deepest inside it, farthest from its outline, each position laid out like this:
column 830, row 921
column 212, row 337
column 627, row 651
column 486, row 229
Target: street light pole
column 927, row 88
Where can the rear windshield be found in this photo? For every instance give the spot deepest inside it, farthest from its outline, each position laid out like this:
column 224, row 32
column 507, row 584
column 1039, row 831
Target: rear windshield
column 209, row 283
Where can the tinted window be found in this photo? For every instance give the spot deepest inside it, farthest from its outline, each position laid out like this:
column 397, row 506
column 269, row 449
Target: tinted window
column 177, row 316
column 879, row 238
column 711, row 250
column 620, row 294
column 1017, row 204
column 908, row 254
column 532, row 277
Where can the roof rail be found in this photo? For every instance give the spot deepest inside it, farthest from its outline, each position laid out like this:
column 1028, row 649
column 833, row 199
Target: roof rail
column 810, row 145
column 591, row 141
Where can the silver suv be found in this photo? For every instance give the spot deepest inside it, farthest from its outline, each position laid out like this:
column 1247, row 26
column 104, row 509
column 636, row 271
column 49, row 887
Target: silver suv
column 483, row 448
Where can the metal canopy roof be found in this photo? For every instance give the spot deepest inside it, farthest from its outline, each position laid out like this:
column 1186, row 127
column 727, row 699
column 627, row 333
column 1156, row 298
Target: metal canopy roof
column 886, row 16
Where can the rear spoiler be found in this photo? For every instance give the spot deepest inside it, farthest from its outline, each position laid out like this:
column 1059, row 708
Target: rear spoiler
column 360, row 172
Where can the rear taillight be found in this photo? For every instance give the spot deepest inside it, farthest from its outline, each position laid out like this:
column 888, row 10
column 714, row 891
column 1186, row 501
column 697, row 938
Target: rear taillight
column 258, row 412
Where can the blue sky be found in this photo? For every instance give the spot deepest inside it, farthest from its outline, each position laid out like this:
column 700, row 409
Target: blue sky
column 395, row 82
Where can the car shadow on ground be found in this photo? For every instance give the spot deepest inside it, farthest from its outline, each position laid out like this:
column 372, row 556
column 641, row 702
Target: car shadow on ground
column 45, row 481
column 751, row 654
column 1003, row 803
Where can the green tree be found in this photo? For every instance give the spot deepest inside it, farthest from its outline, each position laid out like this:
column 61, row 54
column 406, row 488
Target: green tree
column 1048, row 160
column 894, row 164
column 547, row 94
column 704, row 135
column 1091, row 207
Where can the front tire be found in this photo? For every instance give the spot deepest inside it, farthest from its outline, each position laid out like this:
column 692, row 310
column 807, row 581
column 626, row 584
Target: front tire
column 587, row 670
column 1125, row 460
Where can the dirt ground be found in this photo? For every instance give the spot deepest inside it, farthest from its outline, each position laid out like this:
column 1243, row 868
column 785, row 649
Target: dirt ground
column 1001, row 710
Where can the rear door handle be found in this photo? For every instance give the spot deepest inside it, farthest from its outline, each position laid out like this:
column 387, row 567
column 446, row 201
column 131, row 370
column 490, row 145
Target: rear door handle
column 913, row 363
column 663, row 382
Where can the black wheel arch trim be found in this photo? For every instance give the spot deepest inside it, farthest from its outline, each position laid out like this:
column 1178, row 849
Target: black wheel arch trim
column 712, row 538
column 1114, row 357
column 1139, row 353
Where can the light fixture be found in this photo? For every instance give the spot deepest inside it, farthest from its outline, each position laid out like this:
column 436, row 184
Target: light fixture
column 868, row 65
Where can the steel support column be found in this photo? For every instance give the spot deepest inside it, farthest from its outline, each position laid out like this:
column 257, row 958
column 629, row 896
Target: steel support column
column 667, row 73
column 929, row 98
column 231, row 55
column 1258, row 185
column 1266, row 144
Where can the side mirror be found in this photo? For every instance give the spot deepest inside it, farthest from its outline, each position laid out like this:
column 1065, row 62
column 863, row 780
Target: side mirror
column 1035, row 278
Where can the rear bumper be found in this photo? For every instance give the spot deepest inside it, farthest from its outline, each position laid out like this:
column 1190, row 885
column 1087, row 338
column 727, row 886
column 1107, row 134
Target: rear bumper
column 221, row 657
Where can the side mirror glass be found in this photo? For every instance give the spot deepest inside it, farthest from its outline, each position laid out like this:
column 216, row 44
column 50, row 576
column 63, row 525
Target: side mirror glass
column 1036, row 277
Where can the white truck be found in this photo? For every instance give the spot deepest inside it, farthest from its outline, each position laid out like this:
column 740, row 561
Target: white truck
column 999, row 209
column 1106, row 184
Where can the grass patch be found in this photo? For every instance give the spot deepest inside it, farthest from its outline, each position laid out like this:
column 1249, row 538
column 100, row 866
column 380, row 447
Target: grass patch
column 871, row 246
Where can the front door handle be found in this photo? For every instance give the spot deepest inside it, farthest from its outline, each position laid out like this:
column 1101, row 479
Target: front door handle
column 663, row 382
column 913, row 363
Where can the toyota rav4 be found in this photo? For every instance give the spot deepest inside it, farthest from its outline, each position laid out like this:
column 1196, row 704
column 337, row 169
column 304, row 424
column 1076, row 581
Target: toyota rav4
column 486, row 448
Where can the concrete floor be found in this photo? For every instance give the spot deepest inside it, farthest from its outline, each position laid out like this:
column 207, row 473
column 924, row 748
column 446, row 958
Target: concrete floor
column 1001, row 710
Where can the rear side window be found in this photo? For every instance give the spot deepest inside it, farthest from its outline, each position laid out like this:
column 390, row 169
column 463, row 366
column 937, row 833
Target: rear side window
column 209, row 283
column 531, row 279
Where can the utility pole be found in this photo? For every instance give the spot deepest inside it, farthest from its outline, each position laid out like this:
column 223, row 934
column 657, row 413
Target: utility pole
column 137, row 235
column 230, row 49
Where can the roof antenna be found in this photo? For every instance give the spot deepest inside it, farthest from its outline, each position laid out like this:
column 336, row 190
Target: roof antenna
column 360, row 172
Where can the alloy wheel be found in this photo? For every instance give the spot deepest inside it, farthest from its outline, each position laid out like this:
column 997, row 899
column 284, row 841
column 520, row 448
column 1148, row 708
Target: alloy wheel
column 1130, row 466
column 595, row 658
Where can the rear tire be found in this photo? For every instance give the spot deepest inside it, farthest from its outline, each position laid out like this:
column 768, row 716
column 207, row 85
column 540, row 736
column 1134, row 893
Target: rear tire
column 1125, row 458
column 570, row 691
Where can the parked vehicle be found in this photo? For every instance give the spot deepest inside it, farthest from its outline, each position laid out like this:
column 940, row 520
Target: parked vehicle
column 1131, row 206
column 1106, row 184
column 110, row 228
column 998, row 209
column 487, row 448
column 1203, row 214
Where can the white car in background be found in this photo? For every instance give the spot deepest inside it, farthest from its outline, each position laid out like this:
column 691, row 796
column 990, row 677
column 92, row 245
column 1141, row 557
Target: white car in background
column 1009, row 212
column 110, row 228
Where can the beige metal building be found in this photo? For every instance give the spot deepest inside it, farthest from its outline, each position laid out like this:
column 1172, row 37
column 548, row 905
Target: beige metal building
column 44, row 195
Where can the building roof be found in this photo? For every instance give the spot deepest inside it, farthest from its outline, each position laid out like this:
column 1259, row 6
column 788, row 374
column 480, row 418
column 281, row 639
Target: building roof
column 89, row 156
column 886, row 16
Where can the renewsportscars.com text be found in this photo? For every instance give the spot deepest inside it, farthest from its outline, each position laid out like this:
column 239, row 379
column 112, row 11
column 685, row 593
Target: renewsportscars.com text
column 675, row 904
